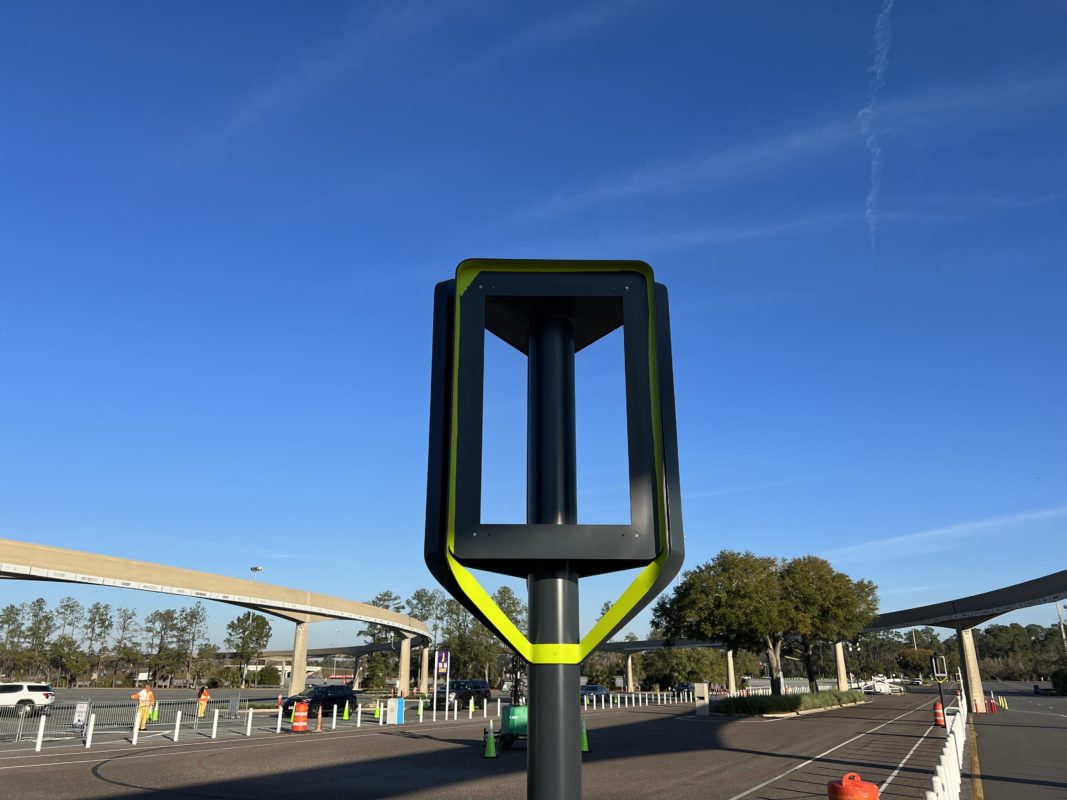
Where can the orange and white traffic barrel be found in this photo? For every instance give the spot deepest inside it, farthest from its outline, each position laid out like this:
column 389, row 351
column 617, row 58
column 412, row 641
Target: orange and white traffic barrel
column 300, row 717
column 851, row 787
column 939, row 715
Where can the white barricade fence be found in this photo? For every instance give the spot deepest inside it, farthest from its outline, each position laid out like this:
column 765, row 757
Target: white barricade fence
column 947, row 781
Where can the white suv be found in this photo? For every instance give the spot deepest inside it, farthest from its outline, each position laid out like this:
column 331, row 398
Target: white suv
column 24, row 696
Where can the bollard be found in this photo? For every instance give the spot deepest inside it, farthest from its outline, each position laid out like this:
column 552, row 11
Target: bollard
column 215, row 724
column 177, row 724
column 485, row 708
column 318, row 723
column 278, row 727
column 89, row 731
column 136, row 726
column 248, row 726
column 381, row 715
column 359, row 715
column 498, row 706
column 851, row 787
column 420, row 710
column 333, row 724
column 455, row 710
column 40, row 733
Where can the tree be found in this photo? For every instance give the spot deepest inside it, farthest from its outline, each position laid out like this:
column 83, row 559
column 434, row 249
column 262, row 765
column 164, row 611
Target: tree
column 379, row 667
column 40, row 625
column 205, row 663
column 915, row 661
column 161, row 628
column 98, row 625
column 826, row 606
column 269, row 676
column 124, row 648
column 12, row 621
column 247, row 636
column 191, row 631
column 66, row 658
column 427, row 605
column 70, row 615
column 736, row 598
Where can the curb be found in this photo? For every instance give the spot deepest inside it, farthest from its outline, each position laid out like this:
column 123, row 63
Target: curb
column 811, row 711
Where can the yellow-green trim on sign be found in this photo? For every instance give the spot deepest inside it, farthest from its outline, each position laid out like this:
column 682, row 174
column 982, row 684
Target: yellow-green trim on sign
column 557, row 653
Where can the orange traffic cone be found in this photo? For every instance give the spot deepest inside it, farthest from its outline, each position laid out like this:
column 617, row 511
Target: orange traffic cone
column 851, row 787
column 318, row 724
column 939, row 715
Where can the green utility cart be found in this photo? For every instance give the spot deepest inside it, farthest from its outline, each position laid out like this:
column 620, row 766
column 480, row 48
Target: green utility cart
column 513, row 726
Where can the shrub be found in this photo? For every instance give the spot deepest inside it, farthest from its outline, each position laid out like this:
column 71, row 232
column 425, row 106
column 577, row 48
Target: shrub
column 1059, row 681
column 781, row 704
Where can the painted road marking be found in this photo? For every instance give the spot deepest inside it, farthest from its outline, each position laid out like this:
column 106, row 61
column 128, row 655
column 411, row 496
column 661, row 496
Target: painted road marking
column 813, row 759
column 904, row 761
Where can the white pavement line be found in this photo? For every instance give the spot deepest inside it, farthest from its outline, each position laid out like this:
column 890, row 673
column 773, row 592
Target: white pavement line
column 791, row 770
column 198, row 747
column 904, row 760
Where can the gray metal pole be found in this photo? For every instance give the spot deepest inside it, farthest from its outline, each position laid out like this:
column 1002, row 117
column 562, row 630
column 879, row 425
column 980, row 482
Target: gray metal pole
column 554, row 758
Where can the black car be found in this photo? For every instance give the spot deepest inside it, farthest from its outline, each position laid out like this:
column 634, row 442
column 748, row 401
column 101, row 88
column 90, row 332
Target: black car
column 325, row 697
column 462, row 691
column 684, row 687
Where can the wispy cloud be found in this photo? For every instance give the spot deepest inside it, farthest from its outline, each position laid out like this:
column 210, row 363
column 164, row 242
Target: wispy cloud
column 750, row 487
column 883, row 30
column 937, row 539
column 726, row 234
column 552, row 31
column 668, row 177
column 362, row 39
column 969, row 107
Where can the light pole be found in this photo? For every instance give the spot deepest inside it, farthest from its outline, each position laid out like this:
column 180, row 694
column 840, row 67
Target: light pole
column 256, row 569
column 1059, row 615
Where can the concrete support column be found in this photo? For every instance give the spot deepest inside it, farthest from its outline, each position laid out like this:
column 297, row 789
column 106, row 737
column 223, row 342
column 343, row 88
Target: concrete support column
column 629, row 672
column 403, row 685
column 298, row 677
column 972, row 678
column 731, row 678
column 842, row 670
column 424, row 671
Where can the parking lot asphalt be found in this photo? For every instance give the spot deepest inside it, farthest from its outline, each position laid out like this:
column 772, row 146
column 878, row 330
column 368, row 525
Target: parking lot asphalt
column 646, row 752
column 1022, row 751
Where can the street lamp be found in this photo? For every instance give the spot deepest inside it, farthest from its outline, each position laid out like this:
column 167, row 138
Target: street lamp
column 336, row 634
column 255, row 571
column 1059, row 616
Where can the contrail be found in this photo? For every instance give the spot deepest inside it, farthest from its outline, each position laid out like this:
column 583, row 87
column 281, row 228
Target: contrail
column 883, row 29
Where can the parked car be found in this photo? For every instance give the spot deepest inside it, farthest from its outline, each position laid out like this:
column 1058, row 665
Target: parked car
column 684, row 687
column 22, row 697
column 462, row 691
column 594, row 690
column 325, row 697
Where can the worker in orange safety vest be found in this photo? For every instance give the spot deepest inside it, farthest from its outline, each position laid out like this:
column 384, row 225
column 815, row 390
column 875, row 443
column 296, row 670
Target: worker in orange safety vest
column 146, row 699
column 203, row 697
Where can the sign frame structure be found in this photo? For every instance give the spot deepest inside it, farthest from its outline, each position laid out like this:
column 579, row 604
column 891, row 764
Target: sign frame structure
column 493, row 295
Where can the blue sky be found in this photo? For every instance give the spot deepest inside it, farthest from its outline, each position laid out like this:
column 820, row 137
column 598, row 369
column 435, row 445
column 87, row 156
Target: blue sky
column 220, row 227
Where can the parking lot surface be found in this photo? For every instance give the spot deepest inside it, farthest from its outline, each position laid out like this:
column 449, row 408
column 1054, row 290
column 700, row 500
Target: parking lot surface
column 646, row 752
